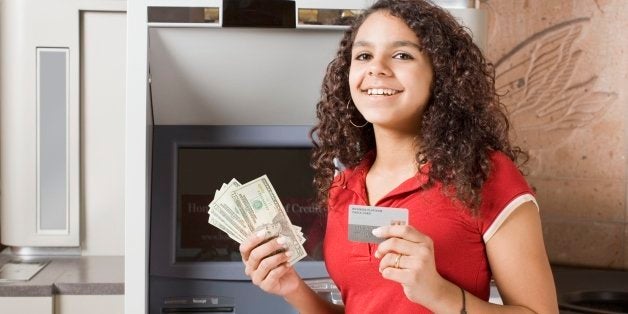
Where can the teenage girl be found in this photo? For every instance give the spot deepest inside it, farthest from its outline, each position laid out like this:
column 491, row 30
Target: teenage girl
column 409, row 107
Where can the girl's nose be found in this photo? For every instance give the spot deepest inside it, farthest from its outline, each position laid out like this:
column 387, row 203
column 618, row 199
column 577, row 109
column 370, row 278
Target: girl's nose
column 378, row 67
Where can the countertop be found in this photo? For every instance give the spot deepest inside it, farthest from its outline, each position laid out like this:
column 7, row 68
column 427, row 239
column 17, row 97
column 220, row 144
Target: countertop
column 104, row 275
column 80, row 275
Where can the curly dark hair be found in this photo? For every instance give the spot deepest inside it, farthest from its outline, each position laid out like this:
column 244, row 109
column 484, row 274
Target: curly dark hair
column 462, row 123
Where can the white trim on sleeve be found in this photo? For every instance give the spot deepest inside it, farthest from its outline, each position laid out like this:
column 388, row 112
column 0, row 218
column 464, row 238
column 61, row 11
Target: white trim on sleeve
column 506, row 212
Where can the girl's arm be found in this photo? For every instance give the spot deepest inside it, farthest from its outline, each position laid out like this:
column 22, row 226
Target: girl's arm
column 520, row 267
column 266, row 263
column 516, row 255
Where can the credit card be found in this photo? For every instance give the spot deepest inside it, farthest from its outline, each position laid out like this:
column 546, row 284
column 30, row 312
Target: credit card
column 363, row 219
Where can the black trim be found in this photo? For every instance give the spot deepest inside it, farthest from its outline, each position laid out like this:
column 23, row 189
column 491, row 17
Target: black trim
column 259, row 13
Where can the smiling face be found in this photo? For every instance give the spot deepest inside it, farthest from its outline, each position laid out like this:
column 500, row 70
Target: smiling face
column 389, row 77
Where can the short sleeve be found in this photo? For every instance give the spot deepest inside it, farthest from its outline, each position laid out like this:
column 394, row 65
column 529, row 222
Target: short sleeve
column 503, row 192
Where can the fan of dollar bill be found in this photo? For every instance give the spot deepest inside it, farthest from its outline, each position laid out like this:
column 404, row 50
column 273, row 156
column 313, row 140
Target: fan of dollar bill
column 242, row 209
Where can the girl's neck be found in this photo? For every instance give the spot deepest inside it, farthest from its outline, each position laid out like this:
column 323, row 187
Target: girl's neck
column 396, row 151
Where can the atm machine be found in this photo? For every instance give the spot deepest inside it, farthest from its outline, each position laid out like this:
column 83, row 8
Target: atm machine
column 220, row 89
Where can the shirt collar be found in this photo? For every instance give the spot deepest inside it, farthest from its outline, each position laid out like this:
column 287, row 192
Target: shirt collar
column 356, row 179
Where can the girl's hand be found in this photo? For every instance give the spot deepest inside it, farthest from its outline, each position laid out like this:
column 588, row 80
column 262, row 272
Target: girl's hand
column 267, row 264
column 407, row 257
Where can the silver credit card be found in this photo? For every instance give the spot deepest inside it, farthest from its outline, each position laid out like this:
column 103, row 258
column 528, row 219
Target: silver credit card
column 363, row 219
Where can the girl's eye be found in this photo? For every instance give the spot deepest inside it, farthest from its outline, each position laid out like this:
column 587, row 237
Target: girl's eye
column 403, row 56
column 362, row 56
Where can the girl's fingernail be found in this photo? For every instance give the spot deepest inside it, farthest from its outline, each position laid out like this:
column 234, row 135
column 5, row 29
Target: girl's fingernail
column 378, row 231
column 288, row 253
column 261, row 234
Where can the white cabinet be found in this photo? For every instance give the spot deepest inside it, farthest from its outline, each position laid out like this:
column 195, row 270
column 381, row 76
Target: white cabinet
column 62, row 89
column 39, row 123
column 23, row 305
column 92, row 304
column 64, row 304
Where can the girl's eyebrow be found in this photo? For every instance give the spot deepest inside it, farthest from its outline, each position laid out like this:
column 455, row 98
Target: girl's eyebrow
column 405, row 43
column 395, row 44
column 362, row 43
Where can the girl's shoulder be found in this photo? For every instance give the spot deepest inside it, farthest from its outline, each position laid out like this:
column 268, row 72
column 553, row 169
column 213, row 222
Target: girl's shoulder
column 505, row 189
column 504, row 183
column 503, row 169
column 499, row 157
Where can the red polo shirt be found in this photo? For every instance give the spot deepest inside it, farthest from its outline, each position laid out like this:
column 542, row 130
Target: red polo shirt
column 459, row 238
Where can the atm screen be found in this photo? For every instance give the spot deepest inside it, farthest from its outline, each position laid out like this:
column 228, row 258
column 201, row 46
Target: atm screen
column 202, row 171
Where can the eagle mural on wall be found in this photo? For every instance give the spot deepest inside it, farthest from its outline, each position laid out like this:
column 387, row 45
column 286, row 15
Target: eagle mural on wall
column 536, row 81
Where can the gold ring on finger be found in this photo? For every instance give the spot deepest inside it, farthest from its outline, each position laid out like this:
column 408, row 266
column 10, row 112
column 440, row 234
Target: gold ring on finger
column 398, row 260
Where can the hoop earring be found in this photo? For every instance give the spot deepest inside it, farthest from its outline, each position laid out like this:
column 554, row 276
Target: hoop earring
column 355, row 125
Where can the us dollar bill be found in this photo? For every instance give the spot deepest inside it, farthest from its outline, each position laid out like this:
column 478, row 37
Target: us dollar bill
column 219, row 223
column 224, row 206
column 261, row 209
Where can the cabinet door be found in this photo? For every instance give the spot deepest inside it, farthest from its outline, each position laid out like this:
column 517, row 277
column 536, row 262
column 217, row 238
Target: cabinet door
column 92, row 304
column 30, row 305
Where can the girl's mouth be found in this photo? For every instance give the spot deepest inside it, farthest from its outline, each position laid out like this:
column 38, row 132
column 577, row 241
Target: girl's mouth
column 381, row 91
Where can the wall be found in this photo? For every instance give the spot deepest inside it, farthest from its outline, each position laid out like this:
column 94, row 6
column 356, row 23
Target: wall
column 563, row 68
column 103, row 88
column 2, row 24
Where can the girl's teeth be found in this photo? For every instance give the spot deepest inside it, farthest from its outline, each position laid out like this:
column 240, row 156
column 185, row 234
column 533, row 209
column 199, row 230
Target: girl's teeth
column 381, row 91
